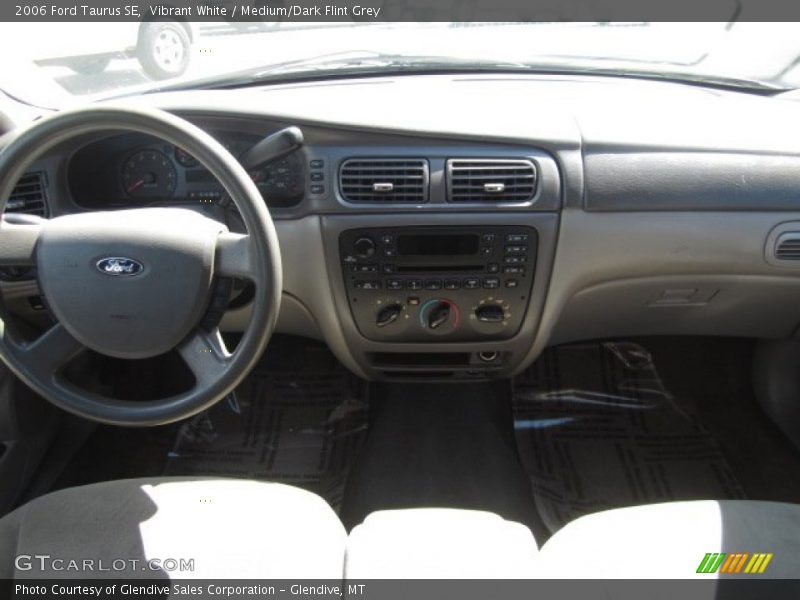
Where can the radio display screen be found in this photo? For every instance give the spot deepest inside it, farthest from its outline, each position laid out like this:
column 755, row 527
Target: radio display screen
column 438, row 245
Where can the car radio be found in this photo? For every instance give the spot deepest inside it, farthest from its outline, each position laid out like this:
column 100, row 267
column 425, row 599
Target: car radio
column 461, row 283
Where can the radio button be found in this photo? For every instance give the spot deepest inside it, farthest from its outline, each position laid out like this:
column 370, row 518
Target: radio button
column 517, row 237
column 472, row 283
column 515, row 260
column 415, row 284
column 452, row 284
column 387, row 239
column 488, row 238
column 433, row 284
column 486, row 251
column 364, row 268
column 389, row 252
column 511, row 283
column 394, row 284
column 388, row 269
column 514, row 270
column 516, row 249
column 493, row 268
column 491, row 283
column 368, row 285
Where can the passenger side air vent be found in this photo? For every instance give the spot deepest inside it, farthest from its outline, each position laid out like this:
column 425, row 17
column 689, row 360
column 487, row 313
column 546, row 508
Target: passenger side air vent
column 490, row 180
column 384, row 180
column 29, row 195
column 787, row 247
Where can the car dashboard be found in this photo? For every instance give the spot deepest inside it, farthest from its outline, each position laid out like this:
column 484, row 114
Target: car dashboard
column 451, row 227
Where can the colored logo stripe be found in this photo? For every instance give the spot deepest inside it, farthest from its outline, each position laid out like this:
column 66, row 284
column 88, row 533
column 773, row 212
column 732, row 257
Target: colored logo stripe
column 734, row 563
column 758, row 564
column 710, row 563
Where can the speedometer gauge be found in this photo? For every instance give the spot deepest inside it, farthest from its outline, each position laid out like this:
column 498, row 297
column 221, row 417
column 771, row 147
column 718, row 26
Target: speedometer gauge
column 148, row 174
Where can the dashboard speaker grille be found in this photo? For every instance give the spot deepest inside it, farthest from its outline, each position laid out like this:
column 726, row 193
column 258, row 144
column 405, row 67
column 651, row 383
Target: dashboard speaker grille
column 787, row 247
column 490, row 180
column 384, row 180
column 29, row 195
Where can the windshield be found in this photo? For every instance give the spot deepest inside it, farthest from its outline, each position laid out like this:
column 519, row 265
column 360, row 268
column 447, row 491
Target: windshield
column 43, row 66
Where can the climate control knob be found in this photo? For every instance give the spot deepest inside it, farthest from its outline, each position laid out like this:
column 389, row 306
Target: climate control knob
column 490, row 313
column 388, row 314
column 439, row 314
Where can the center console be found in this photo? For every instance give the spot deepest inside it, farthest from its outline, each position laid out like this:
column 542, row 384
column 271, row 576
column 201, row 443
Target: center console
column 432, row 283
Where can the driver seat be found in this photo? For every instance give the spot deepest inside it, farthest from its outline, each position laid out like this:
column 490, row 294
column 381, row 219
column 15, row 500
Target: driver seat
column 231, row 528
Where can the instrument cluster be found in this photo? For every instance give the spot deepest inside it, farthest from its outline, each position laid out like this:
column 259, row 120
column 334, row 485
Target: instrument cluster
column 132, row 170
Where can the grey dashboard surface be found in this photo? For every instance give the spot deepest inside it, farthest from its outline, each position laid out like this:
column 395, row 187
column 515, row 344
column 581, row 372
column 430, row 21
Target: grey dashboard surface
column 643, row 180
column 641, row 145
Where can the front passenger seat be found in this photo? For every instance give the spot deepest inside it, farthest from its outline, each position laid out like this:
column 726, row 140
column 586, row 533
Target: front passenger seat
column 229, row 528
column 671, row 541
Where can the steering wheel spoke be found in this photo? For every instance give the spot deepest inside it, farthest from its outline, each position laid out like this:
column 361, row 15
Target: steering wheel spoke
column 18, row 240
column 234, row 258
column 206, row 356
column 52, row 350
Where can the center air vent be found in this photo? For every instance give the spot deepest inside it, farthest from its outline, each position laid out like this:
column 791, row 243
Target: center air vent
column 28, row 196
column 490, row 180
column 384, row 180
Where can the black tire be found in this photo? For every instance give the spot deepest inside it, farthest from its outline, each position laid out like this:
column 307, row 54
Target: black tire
column 90, row 65
column 163, row 50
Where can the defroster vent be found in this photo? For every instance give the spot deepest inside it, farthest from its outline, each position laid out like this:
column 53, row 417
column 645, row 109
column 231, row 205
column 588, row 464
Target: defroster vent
column 384, row 180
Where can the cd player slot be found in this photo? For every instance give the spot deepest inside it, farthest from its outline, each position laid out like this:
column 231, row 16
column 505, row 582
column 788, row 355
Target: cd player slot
column 438, row 268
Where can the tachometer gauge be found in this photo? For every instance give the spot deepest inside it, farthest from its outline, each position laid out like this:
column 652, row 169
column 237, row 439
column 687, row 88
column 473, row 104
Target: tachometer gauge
column 281, row 182
column 148, row 174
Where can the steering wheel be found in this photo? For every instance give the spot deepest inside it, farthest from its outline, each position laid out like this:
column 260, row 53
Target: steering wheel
column 135, row 284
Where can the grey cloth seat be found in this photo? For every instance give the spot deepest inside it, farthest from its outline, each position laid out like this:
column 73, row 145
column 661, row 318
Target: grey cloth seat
column 671, row 540
column 228, row 528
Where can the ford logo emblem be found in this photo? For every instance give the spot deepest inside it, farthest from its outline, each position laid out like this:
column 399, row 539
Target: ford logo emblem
column 119, row 266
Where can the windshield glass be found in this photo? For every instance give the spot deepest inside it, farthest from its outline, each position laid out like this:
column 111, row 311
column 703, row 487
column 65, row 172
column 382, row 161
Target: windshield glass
column 45, row 67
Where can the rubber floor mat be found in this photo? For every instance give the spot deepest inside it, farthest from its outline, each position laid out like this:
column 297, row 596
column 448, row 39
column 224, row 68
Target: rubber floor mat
column 299, row 418
column 596, row 429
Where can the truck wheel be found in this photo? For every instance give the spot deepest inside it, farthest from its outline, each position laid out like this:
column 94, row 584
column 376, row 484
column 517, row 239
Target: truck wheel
column 163, row 50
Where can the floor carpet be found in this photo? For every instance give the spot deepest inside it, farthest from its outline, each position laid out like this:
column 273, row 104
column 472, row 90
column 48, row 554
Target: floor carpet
column 597, row 429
